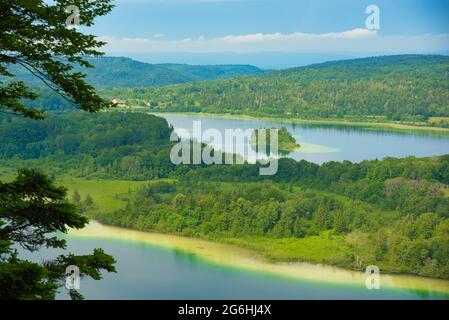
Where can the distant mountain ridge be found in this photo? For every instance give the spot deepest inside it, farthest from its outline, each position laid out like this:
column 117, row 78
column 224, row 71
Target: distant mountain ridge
column 126, row 72
column 209, row 72
column 400, row 87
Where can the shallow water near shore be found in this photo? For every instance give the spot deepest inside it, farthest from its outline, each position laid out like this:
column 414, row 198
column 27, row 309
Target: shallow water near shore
column 159, row 266
column 321, row 143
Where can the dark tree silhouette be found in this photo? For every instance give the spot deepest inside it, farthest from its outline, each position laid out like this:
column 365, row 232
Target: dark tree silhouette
column 34, row 35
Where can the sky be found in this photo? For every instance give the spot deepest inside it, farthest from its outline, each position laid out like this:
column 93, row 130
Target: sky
column 271, row 33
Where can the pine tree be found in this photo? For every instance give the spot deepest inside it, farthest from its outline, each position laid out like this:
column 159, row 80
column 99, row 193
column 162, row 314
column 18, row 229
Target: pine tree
column 76, row 198
column 321, row 216
column 89, row 201
column 341, row 223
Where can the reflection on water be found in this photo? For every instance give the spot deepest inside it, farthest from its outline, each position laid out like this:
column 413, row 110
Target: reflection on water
column 157, row 266
column 321, row 143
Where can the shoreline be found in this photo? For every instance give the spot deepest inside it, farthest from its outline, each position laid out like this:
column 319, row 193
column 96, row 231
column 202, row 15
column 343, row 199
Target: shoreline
column 377, row 126
column 246, row 259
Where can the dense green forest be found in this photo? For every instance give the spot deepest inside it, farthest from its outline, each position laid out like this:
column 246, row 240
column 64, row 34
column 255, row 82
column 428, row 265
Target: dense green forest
column 209, row 72
column 410, row 88
column 107, row 144
column 393, row 213
column 120, row 72
column 128, row 73
column 404, row 87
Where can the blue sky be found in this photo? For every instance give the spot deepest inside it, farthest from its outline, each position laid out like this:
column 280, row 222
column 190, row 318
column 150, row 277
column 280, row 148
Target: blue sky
column 214, row 18
column 326, row 27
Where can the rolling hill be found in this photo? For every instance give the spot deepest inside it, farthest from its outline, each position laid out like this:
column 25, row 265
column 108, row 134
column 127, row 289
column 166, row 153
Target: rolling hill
column 120, row 72
column 404, row 87
column 125, row 72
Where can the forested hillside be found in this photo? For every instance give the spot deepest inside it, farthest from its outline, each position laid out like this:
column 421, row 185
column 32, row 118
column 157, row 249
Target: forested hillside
column 410, row 88
column 405, row 87
column 120, row 72
column 393, row 213
column 205, row 72
column 125, row 72
column 108, row 144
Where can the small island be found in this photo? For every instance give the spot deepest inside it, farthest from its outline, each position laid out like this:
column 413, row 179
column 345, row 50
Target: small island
column 286, row 142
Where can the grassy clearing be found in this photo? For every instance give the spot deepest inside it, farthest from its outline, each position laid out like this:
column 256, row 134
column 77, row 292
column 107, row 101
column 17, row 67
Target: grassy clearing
column 108, row 195
column 7, row 174
column 438, row 119
column 446, row 191
column 317, row 249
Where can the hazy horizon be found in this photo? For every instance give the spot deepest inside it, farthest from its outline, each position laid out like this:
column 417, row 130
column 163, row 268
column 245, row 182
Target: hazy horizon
column 263, row 60
column 271, row 34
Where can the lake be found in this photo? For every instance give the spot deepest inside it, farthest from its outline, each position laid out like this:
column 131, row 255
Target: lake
column 322, row 143
column 158, row 266
column 154, row 266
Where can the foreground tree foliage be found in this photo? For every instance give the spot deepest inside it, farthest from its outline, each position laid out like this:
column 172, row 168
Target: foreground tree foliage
column 34, row 35
column 32, row 209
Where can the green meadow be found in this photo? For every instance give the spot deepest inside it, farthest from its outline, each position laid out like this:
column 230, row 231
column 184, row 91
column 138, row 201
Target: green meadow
column 317, row 249
column 108, row 194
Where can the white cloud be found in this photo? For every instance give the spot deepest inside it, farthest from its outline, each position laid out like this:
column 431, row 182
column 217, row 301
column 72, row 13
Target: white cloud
column 298, row 36
column 356, row 40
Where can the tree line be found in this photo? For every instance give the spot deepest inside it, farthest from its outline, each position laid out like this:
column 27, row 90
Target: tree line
column 404, row 87
column 391, row 212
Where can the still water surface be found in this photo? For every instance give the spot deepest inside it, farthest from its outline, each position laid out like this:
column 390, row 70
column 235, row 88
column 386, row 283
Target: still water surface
column 157, row 266
column 162, row 267
column 321, row 143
